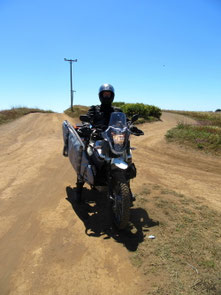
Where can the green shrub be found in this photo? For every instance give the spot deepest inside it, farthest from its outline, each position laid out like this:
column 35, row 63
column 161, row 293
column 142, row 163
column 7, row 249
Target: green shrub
column 118, row 104
column 144, row 111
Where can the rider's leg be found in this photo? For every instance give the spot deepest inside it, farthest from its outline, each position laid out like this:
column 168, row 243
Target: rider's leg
column 79, row 188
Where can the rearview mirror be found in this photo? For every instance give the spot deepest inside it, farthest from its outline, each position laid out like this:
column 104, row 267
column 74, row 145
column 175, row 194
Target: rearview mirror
column 134, row 118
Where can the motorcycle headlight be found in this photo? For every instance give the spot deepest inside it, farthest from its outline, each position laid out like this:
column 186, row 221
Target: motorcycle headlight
column 118, row 138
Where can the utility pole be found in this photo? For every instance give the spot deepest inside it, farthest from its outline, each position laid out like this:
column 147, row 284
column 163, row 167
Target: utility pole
column 72, row 91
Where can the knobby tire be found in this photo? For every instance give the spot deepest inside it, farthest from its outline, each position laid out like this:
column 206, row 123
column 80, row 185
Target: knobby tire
column 123, row 220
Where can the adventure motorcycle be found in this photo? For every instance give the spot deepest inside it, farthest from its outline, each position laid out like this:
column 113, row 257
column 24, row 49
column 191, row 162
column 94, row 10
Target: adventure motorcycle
column 103, row 158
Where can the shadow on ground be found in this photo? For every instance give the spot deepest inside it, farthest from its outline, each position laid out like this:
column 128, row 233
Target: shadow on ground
column 96, row 215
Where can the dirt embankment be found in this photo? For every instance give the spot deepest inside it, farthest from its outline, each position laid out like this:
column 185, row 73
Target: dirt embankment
column 50, row 246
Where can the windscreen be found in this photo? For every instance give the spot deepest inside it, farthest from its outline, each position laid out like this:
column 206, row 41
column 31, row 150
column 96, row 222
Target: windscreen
column 118, row 120
column 117, row 133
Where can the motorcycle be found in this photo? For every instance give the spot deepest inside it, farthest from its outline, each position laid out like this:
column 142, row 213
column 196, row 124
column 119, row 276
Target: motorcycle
column 104, row 158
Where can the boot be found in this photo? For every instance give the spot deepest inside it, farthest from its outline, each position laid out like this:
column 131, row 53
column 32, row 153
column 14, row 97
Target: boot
column 65, row 151
column 132, row 199
column 78, row 191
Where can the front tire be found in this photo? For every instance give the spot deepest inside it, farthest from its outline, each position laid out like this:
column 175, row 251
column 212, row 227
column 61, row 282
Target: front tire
column 121, row 206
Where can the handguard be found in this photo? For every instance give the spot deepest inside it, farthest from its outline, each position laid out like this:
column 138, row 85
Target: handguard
column 135, row 131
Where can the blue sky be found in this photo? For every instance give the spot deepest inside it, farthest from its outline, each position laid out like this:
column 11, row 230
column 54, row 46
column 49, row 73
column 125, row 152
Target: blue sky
column 161, row 52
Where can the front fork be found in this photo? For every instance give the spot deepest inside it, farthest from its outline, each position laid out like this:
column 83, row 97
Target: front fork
column 110, row 184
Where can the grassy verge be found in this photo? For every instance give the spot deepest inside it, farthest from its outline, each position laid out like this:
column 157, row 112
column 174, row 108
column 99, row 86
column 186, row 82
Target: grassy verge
column 203, row 118
column 204, row 135
column 15, row 113
column 184, row 257
column 77, row 111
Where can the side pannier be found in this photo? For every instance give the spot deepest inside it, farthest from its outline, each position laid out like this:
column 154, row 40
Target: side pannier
column 77, row 153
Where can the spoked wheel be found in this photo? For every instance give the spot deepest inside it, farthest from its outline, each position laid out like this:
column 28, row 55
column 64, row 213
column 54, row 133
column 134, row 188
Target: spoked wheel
column 121, row 206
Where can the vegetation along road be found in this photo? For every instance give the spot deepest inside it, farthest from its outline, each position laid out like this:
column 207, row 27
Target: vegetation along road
column 50, row 245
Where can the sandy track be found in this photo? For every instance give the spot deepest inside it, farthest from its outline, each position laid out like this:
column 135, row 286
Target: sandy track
column 186, row 171
column 48, row 245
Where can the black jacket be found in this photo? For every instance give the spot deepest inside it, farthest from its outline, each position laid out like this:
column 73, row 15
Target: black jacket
column 100, row 115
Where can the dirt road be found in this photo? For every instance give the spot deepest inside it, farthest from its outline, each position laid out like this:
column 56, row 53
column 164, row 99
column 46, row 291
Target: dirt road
column 48, row 245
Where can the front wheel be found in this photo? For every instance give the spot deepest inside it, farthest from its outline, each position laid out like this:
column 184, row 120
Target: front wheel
column 121, row 206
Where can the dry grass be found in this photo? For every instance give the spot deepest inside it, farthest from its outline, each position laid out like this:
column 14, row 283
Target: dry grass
column 15, row 113
column 77, row 111
column 184, row 258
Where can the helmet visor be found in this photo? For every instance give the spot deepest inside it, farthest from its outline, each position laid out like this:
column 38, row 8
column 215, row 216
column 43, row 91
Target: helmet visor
column 106, row 97
column 107, row 94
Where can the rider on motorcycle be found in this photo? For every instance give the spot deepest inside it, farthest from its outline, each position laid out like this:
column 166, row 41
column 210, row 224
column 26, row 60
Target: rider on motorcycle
column 99, row 115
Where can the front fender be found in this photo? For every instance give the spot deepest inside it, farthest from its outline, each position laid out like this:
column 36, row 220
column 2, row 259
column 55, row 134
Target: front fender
column 118, row 170
column 119, row 163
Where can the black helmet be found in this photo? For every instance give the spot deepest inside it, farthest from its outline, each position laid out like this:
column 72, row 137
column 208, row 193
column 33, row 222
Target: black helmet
column 106, row 99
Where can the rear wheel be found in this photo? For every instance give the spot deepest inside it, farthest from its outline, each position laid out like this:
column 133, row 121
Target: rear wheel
column 121, row 206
